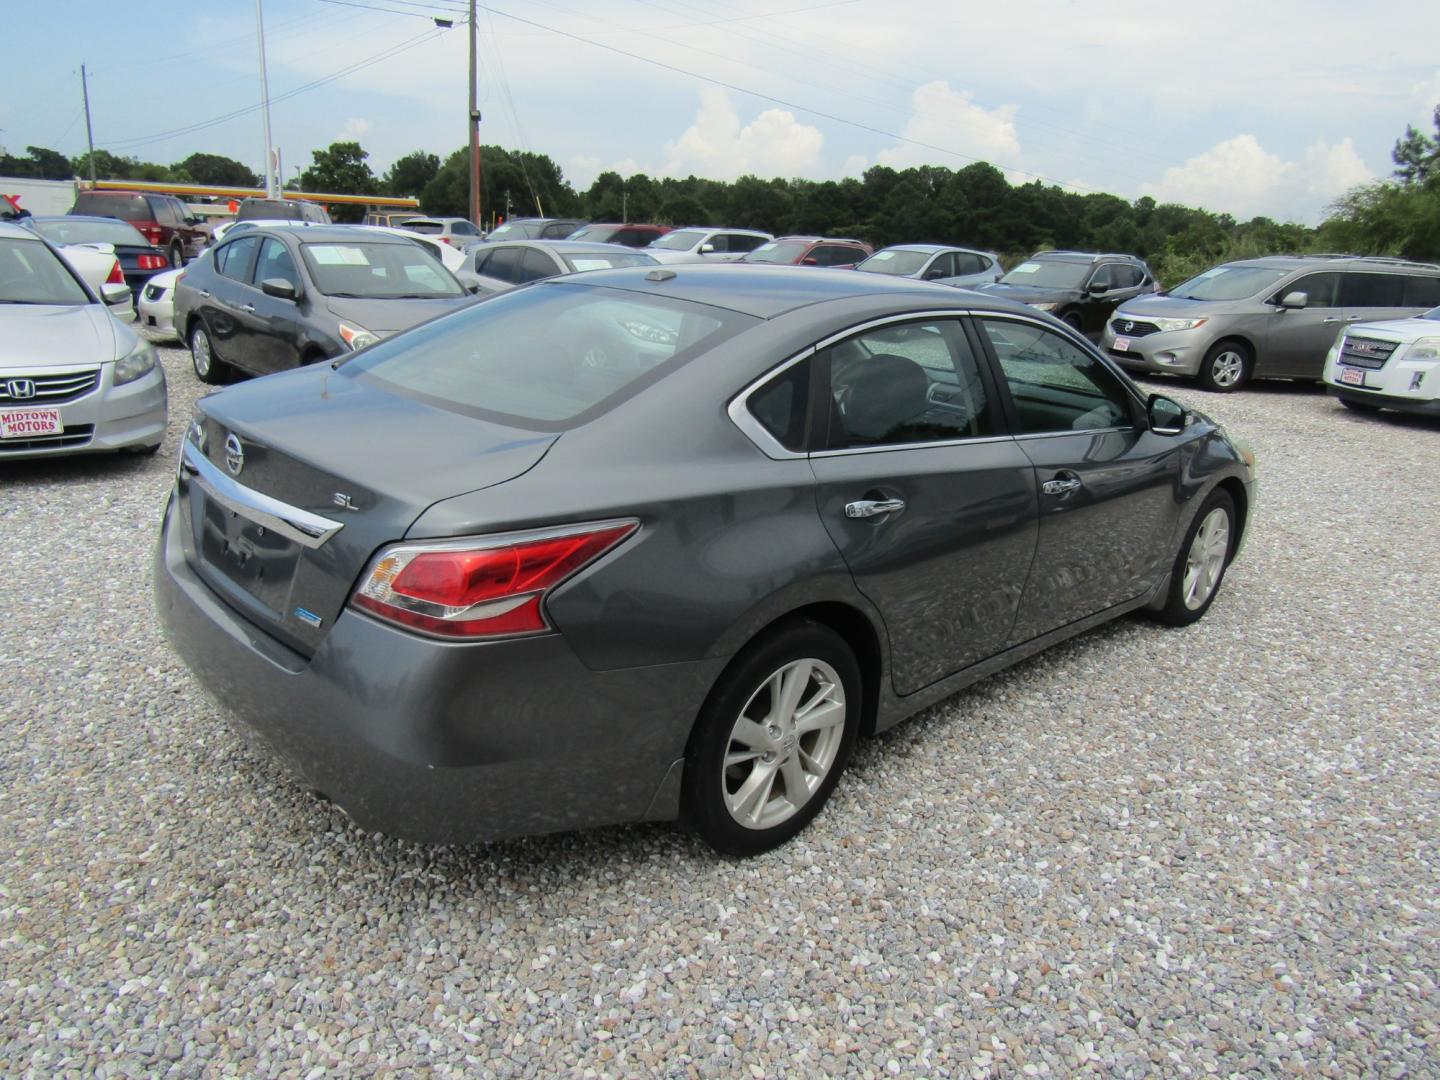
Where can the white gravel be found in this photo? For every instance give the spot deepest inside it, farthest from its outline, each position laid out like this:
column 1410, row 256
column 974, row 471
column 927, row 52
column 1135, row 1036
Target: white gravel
column 1147, row 852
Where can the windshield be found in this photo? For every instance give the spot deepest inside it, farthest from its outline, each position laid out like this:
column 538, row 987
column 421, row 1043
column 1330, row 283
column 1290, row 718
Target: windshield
column 378, row 271
column 899, row 263
column 1051, row 274
column 1228, row 283
column 778, row 251
column 548, row 357
column 605, row 260
column 680, row 240
column 31, row 274
column 79, row 231
column 519, row 230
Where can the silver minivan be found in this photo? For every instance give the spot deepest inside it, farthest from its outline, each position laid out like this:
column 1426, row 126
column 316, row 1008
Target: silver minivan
column 1274, row 317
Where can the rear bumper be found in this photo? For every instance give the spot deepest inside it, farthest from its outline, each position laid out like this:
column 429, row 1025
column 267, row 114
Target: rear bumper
column 441, row 742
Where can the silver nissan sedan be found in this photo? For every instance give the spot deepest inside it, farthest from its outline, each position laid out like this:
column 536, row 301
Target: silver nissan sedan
column 72, row 378
column 663, row 543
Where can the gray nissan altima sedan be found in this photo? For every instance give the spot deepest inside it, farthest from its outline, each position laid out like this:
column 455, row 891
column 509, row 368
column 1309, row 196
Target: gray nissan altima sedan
column 662, row 543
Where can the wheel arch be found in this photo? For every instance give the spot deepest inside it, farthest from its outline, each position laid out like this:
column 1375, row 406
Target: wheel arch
column 1232, row 486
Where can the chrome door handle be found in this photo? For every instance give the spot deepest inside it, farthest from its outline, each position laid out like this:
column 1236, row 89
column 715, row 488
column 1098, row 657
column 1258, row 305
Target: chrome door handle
column 1333, row 318
column 248, row 307
column 1061, row 487
column 868, row 508
column 1353, row 318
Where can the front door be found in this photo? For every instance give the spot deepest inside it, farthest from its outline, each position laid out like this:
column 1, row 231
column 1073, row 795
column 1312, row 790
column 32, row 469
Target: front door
column 1107, row 485
column 271, row 324
column 930, row 504
column 1299, row 338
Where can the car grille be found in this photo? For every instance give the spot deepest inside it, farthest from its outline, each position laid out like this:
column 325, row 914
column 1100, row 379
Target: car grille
column 51, row 388
column 1133, row 327
column 1367, row 352
column 73, row 436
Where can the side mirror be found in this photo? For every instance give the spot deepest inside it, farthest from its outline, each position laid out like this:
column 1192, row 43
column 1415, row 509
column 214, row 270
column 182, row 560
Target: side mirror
column 473, row 288
column 707, row 249
column 934, row 275
column 115, row 292
column 280, row 288
column 1296, row 299
column 809, row 261
column 1098, row 287
column 1166, row 417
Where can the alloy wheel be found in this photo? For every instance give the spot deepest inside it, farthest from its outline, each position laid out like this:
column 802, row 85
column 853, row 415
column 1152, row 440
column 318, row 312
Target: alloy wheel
column 1227, row 368
column 1205, row 561
column 784, row 743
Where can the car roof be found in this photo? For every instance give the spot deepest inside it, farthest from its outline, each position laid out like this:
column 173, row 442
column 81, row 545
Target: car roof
column 334, row 233
column 1336, row 262
column 62, row 218
column 931, row 249
column 18, row 232
column 1083, row 256
column 567, row 247
column 764, row 292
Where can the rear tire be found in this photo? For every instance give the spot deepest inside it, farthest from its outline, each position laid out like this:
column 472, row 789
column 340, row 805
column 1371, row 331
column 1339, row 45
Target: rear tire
column 1072, row 319
column 1201, row 563
column 1226, row 367
column 202, row 357
column 772, row 739
column 177, row 256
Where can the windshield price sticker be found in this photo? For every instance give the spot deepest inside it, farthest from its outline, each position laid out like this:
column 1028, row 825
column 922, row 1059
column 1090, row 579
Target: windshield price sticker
column 28, row 423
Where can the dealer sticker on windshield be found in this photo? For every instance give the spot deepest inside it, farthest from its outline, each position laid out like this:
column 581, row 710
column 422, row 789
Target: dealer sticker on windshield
column 28, row 423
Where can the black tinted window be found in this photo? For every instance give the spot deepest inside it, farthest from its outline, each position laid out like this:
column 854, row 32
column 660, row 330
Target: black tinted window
column 464, row 228
column 1321, row 290
column 1055, row 385
column 905, row 383
column 780, row 405
column 276, row 262
column 1372, row 290
column 535, row 264
column 124, row 207
column 233, row 260
column 966, row 263
column 1422, row 292
column 737, row 242
column 504, row 263
column 1126, row 277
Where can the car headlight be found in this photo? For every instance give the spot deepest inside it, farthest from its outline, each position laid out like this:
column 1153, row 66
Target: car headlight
column 1174, row 324
column 357, row 337
column 1427, row 348
column 1044, row 307
column 137, row 362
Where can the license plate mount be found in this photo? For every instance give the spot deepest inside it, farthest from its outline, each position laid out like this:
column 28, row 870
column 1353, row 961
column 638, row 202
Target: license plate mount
column 30, row 423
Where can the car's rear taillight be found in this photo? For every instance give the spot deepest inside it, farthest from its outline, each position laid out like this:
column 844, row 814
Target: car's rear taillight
column 116, row 277
column 153, row 233
column 492, row 586
column 153, row 262
column 446, row 240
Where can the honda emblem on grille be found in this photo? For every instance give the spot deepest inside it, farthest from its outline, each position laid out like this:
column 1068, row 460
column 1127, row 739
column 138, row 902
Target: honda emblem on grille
column 234, row 454
column 20, row 389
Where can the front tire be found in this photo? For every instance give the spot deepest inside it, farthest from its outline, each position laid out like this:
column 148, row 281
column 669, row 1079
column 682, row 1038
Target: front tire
column 1200, row 566
column 772, row 740
column 1072, row 319
column 1226, row 367
column 177, row 256
column 202, row 357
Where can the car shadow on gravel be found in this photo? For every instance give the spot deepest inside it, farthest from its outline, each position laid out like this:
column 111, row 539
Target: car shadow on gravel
column 76, row 467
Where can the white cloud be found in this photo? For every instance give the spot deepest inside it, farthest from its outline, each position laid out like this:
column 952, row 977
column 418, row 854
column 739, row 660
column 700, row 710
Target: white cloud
column 354, row 130
column 950, row 119
column 718, row 147
column 1239, row 177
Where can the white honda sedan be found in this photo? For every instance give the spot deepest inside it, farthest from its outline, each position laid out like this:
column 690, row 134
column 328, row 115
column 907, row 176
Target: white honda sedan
column 72, row 378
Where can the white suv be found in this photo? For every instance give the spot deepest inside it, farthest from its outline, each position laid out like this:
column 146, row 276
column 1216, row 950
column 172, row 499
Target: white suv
column 1388, row 365
column 705, row 245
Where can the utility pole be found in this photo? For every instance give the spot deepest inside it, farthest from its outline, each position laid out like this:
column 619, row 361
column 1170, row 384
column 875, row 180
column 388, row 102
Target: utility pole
column 89, row 135
column 475, row 209
column 272, row 188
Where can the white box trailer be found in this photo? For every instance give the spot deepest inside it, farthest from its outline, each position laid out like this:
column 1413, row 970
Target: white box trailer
column 40, row 197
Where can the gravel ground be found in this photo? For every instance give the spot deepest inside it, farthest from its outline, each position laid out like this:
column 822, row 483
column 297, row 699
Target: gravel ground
column 1147, row 852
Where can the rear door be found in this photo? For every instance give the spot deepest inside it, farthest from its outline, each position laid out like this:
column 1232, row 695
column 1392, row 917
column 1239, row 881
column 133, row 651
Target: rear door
column 1299, row 338
column 1108, row 508
column 229, row 292
column 1372, row 297
column 930, row 502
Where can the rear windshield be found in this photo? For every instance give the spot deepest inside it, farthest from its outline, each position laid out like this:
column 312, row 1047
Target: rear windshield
column 779, row 251
column 547, row 357
column 900, row 263
column 605, row 260
column 679, row 240
column 1228, row 283
column 77, row 231
column 1433, row 313
column 430, row 228
column 30, row 273
column 596, row 234
column 124, row 207
column 519, row 230
column 1049, row 274
column 269, row 210
column 399, row 271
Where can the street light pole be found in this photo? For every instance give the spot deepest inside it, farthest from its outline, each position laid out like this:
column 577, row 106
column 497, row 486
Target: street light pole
column 475, row 209
column 89, row 136
column 272, row 187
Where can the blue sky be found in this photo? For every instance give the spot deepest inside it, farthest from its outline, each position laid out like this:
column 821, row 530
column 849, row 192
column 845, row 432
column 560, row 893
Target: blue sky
column 1232, row 107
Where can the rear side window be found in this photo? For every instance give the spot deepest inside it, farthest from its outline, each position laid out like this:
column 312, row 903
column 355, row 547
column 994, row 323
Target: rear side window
column 504, row 264
column 733, row 242
column 1125, row 276
column 1373, row 290
column 534, row 265
column 782, row 404
column 1422, row 292
column 1055, row 385
column 233, row 260
column 905, row 383
column 546, row 358
column 968, row 263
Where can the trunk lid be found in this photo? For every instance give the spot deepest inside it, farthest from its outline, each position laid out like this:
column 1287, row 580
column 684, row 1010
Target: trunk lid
column 290, row 483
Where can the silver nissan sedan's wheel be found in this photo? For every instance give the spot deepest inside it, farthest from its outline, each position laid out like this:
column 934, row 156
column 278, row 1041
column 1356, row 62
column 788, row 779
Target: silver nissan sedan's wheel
column 773, row 739
column 1200, row 566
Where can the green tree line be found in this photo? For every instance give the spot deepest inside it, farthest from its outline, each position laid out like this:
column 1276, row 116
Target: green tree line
column 975, row 206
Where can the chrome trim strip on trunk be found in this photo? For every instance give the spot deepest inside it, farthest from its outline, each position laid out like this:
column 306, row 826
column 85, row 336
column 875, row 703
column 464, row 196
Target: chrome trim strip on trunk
column 304, row 528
